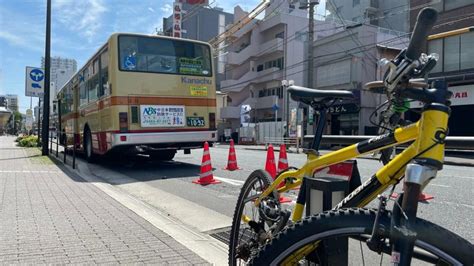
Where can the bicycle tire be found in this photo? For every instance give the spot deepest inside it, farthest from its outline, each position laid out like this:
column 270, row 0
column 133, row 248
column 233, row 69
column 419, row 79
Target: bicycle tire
column 235, row 229
column 334, row 223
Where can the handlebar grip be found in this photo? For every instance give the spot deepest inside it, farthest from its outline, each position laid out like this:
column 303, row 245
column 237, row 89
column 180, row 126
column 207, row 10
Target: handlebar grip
column 425, row 21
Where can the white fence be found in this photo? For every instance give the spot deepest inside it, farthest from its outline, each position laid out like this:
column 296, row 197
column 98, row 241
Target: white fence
column 259, row 133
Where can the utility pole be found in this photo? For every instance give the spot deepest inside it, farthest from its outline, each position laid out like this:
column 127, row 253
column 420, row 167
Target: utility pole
column 310, row 42
column 309, row 4
column 47, row 72
column 38, row 128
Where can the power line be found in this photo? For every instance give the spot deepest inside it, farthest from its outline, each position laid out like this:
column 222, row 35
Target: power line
column 357, row 42
column 290, row 38
column 367, row 47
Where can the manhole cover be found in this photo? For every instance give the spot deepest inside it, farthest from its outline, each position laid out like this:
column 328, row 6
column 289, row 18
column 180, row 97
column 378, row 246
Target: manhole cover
column 221, row 234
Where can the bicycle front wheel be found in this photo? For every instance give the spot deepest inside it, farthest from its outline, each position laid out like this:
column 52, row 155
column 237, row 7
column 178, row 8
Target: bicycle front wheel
column 434, row 244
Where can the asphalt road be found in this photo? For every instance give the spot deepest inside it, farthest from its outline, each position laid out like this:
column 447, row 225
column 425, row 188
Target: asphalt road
column 452, row 206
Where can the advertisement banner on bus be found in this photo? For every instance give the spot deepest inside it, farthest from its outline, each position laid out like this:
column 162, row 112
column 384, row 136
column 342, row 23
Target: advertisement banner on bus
column 162, row 115
column 198, row 91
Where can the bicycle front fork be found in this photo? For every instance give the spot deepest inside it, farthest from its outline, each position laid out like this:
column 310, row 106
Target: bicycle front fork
column 417, row 176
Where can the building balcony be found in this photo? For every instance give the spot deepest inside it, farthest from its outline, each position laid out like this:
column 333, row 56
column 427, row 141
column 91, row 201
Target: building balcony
column 267, row 102
column 255, row 50
column 230, row 112
column 251, row 77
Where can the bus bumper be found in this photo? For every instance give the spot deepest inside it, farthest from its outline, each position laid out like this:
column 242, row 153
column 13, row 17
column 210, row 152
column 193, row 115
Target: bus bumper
column 130, row 139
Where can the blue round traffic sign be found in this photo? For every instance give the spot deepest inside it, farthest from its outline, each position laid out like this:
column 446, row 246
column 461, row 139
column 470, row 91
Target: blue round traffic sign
column 36, row 75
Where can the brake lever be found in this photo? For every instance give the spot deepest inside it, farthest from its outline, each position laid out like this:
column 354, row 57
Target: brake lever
column 398, row 72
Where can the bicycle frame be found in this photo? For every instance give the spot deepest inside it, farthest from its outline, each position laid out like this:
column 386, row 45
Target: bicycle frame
column 428, row 143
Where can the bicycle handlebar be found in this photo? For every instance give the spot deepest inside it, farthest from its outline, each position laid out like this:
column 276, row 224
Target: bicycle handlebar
column 424, row 22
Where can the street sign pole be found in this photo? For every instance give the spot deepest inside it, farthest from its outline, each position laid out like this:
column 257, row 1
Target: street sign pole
column 47, row 72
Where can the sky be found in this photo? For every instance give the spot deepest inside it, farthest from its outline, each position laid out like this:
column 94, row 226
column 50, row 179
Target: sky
column 79, row 28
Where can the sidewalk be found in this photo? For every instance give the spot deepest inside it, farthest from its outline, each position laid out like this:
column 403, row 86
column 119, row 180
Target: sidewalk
column 49, row 216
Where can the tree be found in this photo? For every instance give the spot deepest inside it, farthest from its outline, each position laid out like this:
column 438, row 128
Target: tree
column 15, row 122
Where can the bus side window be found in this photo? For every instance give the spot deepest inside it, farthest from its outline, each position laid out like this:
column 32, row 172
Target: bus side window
column 93, row 82
column 104, row 74
column 83, row 88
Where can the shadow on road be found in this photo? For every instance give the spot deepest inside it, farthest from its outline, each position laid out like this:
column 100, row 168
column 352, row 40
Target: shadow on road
column 142, row 168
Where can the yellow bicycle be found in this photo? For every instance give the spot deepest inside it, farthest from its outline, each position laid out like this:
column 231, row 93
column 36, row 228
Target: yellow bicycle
column 265, row 233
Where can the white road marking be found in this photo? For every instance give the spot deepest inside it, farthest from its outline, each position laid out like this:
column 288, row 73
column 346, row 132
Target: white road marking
column 233, row 182
column 466, row 177
column 438, row 185
column 455, row 203
column 27, row 171
column 454, row 177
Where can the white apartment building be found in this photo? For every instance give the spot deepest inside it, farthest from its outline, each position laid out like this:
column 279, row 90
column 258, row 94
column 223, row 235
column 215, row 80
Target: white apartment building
column 62, row 69
column 257, row 60
column 260, row 56
column 11, row 102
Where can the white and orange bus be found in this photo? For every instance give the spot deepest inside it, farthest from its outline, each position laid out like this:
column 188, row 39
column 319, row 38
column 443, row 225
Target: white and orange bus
column 142, row 93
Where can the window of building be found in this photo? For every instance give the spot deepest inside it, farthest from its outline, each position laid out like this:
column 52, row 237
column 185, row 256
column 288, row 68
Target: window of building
column 451, row 53
column 467, row 51
column 438, row 5
column 436, row 46
column 446, row 5
column 452, row 4
column 277, row 63
column 280, row 63
column 259, row 68
column 355, row 2
column 455, row 52
column 301, row 36
column 280, row 35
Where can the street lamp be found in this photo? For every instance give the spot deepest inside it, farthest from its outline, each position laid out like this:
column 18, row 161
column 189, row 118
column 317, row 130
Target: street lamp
column 285, row 84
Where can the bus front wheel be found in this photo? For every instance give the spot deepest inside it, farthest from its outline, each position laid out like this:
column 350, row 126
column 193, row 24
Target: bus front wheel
column 90, row 156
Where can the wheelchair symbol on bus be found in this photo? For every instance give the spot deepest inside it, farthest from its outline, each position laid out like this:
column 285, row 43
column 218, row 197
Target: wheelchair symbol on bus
column 130, row 62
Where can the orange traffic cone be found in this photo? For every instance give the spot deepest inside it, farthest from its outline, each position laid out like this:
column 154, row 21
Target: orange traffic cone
column 425, row 197
column 283, row 159
column 270, row 167
column 206, row 177
column 270, row 163
column 232, row 159
column 283, row 163
column 422, row 197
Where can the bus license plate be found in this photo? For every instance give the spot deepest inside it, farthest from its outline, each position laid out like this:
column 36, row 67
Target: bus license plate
column 195, row 121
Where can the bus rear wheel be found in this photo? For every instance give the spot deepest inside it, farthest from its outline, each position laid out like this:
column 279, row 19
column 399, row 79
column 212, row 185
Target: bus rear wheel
column 164, row 155
column 89, row 152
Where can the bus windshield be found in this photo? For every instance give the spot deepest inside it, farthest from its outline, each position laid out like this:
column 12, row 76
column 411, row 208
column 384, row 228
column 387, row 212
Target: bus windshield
column 156, row 55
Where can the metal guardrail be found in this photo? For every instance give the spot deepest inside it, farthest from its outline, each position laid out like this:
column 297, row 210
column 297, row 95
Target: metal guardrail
column 287, row 141
column 57, row 141
column 457, row 143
